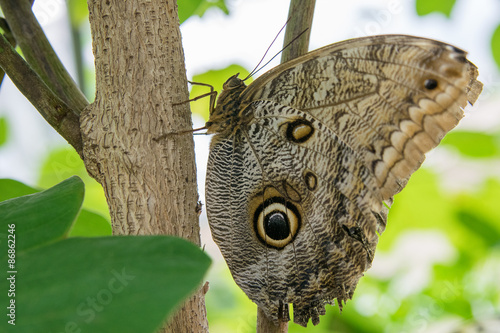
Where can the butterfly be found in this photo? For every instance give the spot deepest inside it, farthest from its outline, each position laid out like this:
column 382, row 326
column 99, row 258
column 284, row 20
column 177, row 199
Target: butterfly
column 305, row 161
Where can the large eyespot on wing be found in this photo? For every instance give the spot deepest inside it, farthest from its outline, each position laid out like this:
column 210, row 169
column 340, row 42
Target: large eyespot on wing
column 276, row 222
column 390, row 98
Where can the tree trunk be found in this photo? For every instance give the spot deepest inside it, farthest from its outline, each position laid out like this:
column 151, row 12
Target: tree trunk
column 131, row 147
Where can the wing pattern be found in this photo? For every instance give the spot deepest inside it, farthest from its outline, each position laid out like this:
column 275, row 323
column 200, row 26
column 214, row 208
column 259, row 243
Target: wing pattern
column 306, row 159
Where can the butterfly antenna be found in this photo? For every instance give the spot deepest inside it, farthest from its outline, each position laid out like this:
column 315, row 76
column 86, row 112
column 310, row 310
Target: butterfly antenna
column 254, row 71
column 269, row 47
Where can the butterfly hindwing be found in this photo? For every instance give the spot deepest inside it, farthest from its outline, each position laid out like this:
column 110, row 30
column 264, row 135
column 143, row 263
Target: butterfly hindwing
column 335, row 237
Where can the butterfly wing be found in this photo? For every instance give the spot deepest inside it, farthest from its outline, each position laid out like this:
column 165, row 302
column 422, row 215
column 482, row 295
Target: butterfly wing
column 295, row 192
column 326, row 237
column 391, row 98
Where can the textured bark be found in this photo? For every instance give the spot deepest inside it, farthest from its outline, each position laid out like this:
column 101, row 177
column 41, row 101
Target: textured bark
column 130, row 146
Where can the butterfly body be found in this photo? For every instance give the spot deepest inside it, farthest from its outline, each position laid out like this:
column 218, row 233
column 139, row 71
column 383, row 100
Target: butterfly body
column 306, row 159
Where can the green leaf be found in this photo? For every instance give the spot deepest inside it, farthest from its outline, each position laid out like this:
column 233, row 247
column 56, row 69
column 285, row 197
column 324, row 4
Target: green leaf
column 111, row 284
column 425, row 7
column 10, row 188
column 188, row 8
column 495, row 45
column 105, row 284
column 4, row 130
column 43, row 217
column 216, row 78
column 88, row 224
column 474, row 144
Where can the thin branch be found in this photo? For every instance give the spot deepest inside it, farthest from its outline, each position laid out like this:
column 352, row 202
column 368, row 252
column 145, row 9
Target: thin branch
column 10, row 38
column 51, row 107
column 300, row 19
column 264, row 325
column 298, row 24
column 40, row 54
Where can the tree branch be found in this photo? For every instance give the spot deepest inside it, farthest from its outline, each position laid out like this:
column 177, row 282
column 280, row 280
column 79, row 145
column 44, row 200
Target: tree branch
column 10, row 38
column 40, row 54
column 50, row 106
column 296, row 26
column 264, row 325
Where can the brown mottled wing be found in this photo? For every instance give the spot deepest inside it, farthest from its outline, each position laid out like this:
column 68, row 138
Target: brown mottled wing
column 320, row 143
column 323, row 189
column 372, row 93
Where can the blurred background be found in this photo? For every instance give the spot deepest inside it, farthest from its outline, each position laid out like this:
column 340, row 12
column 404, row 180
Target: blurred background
column 437, row 266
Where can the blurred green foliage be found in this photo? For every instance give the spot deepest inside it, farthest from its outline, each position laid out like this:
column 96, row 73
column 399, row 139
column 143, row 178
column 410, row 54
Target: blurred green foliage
column 188, row 8
column 78, row 12
column 425, row 7
column 4, row 131
column 474, row 144
column 495, row 45
column 64, row 162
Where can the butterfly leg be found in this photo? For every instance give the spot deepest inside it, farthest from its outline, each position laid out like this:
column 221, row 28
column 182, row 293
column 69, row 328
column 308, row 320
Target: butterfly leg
column 212, row 94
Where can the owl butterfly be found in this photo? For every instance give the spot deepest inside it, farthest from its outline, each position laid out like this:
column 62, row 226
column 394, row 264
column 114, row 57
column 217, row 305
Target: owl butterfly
column 305, row 162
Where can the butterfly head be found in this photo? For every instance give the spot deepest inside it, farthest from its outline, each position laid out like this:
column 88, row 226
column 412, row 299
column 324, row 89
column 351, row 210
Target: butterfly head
column 224, row 117
column 233, row 83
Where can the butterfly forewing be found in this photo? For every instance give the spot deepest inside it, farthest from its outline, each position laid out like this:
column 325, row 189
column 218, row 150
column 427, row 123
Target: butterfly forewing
column 306, row 159
column 372, row 92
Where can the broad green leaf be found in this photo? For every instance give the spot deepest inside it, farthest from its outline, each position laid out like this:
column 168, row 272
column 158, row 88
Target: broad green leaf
column 87, row 224
column 425, row 7
column 4, row 130
column 110, row 284
column 64, row 162
column 473, row 144
column 216, row 78
column 44, row 217
column 495, row 45
column 10, row 188
column 104, row 284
